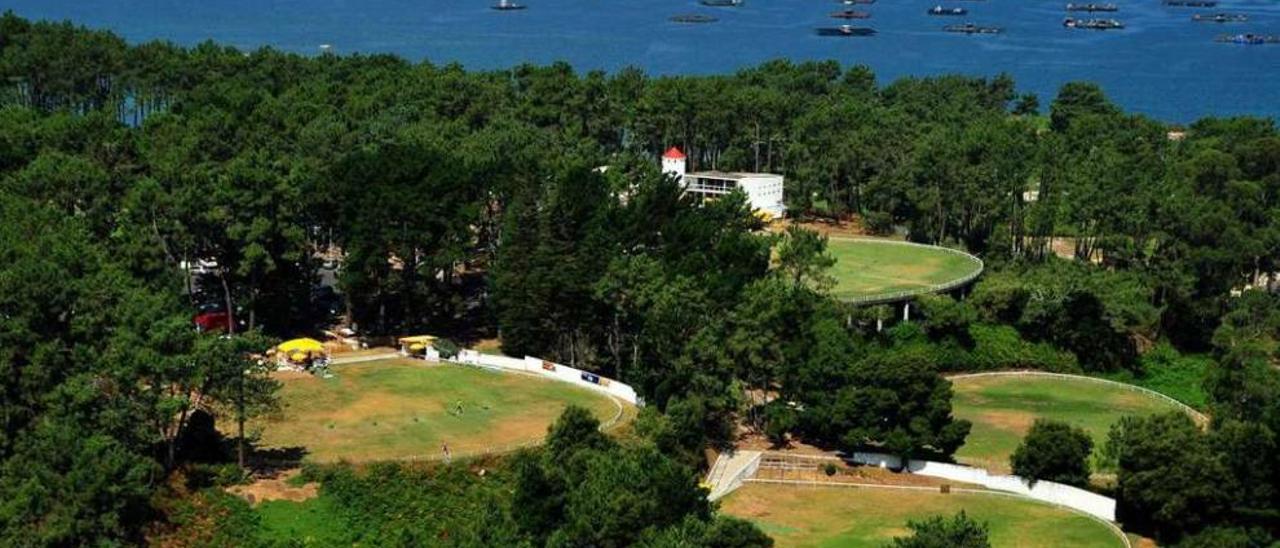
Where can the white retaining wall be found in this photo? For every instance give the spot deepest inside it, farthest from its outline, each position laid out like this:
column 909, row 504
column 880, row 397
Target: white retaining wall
column 1047, row 491
column 563, row 373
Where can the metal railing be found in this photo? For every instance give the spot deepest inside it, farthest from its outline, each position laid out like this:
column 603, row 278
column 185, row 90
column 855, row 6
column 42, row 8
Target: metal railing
column 1198, row 417
column 896, row 296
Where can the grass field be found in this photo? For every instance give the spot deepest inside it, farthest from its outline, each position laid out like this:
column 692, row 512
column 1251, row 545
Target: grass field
column 841, row 516
column 866, row 268
column 312, row 522
column 404, row 408
column 1002, row 408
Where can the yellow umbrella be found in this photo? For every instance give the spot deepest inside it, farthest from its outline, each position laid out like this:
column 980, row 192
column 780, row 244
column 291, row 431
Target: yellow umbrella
column 301, row 345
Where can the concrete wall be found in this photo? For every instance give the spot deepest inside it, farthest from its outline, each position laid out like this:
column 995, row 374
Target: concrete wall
column 555, row 371
column 1047, row 491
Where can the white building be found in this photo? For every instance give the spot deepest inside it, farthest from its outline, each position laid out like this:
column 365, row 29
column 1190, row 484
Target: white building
column 763, row 190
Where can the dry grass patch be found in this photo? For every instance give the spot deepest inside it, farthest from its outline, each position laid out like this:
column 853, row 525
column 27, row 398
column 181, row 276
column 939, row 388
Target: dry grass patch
column 1002, row 409
column 398, row 409
column 844, row 516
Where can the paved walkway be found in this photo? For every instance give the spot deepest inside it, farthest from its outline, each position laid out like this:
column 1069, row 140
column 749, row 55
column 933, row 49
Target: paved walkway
column 339, row 360
column 729, row 471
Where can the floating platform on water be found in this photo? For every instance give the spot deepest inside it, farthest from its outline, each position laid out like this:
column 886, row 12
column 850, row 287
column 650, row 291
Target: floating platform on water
column 506, row 5
column 721, row 3
column 845, row 30
column 1093, row 7
column 1249, row 39
column 1191, row 3
column 693, row 18
column 855, row 2
column 970, row 28
column 1092, row 24
column 851, row 14
column 1220, row 18
column 939, row 10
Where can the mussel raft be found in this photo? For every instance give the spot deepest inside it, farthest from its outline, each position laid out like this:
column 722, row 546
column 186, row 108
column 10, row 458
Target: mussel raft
column 1092, row 24
column 939, row 10
column 970, row 28
column 1191, row 3
column 845, row 30
column 850, row 14
column 1247, row 39
column 692, row 18
column 1220, row 18
column 1093, row 7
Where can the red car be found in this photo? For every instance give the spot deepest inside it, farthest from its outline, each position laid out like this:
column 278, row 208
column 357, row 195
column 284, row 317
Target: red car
column 212, row 321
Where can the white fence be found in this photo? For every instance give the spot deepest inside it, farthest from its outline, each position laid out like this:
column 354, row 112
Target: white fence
column 1197, row 416
column 1055, row 493
column 559, row 372
column 895, row 296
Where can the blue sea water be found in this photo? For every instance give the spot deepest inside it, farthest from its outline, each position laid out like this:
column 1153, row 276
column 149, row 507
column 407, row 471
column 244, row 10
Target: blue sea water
column 1162, row 64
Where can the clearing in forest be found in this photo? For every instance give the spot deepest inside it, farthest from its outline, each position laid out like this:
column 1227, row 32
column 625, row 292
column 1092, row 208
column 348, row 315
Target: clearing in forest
column 868, row 268
column 1003, row 407
column 798, row 516
column 402, row 409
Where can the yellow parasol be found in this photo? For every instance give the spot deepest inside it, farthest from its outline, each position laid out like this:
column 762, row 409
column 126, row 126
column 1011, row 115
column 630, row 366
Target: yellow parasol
column 303, row 345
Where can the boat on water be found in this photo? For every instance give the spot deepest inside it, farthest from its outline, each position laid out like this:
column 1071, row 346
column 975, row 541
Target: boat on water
column 1221, row 18
column 721, row 3
column 1248, row 39
column 692, row 18
column 507, row 5
column 850, row 14
column 846, row 30
column 970, row 28
column 1191, row 3
column 1092, row 7
column 1094, row 24
column 855, row 2
column 939, row 10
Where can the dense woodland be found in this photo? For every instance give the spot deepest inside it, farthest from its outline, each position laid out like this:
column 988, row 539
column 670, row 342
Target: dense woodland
column 470, row 204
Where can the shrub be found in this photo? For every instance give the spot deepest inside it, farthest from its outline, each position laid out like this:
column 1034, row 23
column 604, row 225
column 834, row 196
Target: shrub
column 447, row 348
column 879, row 223
column 939, row 532
column 1053, row 451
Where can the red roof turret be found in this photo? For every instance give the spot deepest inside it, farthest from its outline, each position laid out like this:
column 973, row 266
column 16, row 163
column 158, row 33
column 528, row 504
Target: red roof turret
column 674, row 154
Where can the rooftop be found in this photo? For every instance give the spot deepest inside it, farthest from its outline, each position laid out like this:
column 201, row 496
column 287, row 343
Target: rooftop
column 732, row 175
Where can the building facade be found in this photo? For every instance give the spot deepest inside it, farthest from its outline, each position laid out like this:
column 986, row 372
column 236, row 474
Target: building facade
column 764, row 190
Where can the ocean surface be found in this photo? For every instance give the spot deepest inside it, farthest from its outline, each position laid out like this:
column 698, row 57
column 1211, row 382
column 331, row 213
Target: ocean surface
column 1162, row 64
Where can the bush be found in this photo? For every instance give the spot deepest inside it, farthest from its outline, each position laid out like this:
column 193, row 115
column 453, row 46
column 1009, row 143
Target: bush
column 879, row 223
column 1171, row 373
column 1000, row 347
column 1053, row 451
column 939, row 532
column 780, row 420
column 830, row 469
column 447, row 348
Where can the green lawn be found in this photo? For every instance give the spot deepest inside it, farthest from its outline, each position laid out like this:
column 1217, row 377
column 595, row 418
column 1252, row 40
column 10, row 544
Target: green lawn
column 1002, row 408
column 870, row 268
column 850, row 517
column 1178, row 376
column 397, row 409
column 312, row 522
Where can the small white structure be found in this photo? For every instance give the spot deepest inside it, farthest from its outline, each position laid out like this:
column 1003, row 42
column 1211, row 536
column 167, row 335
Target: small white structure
column 763, row 190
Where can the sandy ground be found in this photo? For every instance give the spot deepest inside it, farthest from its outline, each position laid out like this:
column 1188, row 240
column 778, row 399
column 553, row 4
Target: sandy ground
column 275, row 486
